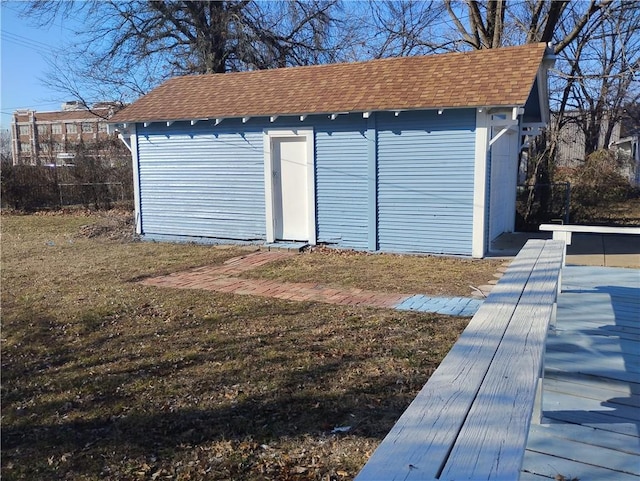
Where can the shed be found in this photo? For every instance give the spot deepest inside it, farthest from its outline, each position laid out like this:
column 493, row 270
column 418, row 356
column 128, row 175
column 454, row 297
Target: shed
column 411, row 154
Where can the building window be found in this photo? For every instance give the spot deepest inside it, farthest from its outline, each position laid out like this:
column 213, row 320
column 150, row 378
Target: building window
column 42, row 130
column 24, row 130
column 57, row 147
column 102, row 127
column 72, row 128
column 44, row 147
column 25, row 147
column 56, row 129
column 87, row 128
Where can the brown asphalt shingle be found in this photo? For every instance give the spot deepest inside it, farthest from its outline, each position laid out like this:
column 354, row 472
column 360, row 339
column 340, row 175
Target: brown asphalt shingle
column 496, row 77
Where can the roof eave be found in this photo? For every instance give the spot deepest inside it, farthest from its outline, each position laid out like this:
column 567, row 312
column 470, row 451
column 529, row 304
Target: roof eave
column 304, row 115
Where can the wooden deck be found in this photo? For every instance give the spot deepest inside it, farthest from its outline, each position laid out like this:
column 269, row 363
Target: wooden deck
column 591, row 400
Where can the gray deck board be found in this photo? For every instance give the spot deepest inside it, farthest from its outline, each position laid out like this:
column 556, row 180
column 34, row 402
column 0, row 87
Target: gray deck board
column 591, row 401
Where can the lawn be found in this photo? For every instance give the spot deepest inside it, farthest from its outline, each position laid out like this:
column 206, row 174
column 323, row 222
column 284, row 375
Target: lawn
column 104, row 378
column 432, row 275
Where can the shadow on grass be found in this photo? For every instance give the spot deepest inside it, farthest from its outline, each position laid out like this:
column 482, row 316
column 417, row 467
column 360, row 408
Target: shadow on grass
column 248, row 425
column 105, row 401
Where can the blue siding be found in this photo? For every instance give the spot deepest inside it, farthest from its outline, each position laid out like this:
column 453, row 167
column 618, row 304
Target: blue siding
column 342, row 198
column 407, row 178
column 202, row 181
column 425, row 175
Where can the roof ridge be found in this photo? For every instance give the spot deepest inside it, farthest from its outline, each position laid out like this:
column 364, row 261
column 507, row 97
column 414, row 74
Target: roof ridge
column 483, row 51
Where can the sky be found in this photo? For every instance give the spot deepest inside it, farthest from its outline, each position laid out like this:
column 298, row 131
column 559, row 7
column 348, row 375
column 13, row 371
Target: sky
column 23, row 53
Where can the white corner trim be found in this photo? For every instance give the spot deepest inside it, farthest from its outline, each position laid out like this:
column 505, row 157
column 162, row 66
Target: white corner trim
column 133, row 143
column 478, row 247
column 268, row 136
column 268, row 188
column 516, row 112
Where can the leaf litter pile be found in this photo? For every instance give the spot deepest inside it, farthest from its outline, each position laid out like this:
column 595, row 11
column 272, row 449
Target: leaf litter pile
column 104, row 378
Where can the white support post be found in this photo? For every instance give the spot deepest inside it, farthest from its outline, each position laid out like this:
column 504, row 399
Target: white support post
column 480, row 184
column 136, row 180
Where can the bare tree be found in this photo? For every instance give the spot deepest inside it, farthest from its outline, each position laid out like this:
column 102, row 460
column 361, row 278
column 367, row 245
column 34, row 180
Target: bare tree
column 482, row 24
column 496, row 23
column 126, row 48
column 398, row 28
column 485, row 23
column 5, row 145
column 601, row 78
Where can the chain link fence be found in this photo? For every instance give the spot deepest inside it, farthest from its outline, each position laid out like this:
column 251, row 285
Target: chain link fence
column 30, row 188
column 542, row 203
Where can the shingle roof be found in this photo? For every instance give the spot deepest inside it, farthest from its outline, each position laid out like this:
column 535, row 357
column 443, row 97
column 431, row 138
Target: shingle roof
column 484, row 78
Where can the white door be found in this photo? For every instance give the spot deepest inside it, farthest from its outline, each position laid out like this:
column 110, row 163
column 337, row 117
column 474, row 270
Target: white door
column 504, row 177
column 290, row 189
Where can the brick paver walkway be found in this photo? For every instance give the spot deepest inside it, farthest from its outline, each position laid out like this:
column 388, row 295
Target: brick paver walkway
column 223, row 278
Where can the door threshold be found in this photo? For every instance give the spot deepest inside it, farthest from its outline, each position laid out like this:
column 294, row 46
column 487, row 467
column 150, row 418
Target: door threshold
column 290, row 246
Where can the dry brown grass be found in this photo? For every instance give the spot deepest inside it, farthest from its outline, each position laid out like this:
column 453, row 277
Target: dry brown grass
column 104, row 378
column 432, row 275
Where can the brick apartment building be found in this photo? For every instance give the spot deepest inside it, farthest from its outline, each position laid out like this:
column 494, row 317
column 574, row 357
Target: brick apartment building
column 41, row 138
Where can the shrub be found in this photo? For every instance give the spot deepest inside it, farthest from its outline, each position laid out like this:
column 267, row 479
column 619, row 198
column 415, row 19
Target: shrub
column 596, row 184
column 28, row 187
column 100, row 176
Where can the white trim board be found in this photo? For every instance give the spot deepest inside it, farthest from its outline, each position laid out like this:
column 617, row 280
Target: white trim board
column 135, row 162
column 269, row 135
column 480, row 184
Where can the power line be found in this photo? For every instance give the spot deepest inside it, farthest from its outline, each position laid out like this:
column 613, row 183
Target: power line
column 9, row 110
column 40, row 47
column 54, row 23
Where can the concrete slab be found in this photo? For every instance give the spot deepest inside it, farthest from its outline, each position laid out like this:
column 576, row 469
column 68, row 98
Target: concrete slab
column 285, row 246
column 452, row 306
column 510, row 243
column 607, row 250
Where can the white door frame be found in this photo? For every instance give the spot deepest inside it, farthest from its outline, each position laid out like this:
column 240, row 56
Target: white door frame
column 269, row 135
